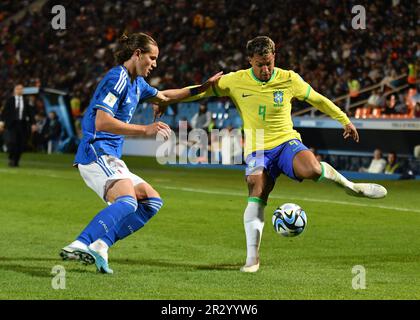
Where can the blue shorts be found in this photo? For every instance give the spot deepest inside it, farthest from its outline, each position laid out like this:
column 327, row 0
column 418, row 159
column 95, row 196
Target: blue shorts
column 276, row 161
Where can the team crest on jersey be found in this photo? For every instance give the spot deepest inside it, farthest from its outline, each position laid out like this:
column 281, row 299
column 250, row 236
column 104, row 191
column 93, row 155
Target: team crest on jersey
column 278, row 98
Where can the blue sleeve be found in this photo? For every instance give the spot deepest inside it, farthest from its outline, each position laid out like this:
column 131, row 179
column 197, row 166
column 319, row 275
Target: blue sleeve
column 146, row 90
column 111, row 90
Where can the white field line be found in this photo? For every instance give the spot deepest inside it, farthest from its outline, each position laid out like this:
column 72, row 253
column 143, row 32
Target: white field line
column 241, row 194
column 237, row 194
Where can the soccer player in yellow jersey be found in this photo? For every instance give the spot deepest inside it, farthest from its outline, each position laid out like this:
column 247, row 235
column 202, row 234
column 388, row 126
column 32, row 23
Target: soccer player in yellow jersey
column 262, row 94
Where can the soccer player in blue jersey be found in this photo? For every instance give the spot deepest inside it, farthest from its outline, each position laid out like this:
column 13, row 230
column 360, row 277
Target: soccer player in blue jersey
column 131, row 201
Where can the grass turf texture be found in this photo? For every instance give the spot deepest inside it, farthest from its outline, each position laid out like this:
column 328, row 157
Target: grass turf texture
column 195, row 246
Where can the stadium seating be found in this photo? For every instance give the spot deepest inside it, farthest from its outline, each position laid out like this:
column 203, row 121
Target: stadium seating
column 222, row 49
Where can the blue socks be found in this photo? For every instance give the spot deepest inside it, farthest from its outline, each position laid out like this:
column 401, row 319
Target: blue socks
column 106, row 219
column 146, row 209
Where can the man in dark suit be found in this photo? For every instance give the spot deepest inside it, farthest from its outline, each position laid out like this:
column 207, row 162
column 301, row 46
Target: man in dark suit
column 18, row 118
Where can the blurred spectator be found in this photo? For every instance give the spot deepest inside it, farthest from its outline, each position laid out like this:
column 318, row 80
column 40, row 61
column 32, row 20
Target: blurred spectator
column 416, row 152
column 354, row 88
column 417, row 110
column 40, row 134
column 75, row 106
column 377, row 165
column 39, row 105
column 201, row 120
column 412, row 73
column 392, row 166
column 212, row 125
column 375, row 99
column 393, row 105
column 411, row 100
column 54, row 132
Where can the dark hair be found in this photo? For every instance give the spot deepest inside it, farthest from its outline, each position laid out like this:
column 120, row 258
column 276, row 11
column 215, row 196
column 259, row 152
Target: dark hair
column 261, row 45
column 129, row 43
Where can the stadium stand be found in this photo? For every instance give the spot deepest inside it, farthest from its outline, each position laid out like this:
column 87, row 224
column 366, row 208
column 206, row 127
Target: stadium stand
column 211, row 28
column 198, row 38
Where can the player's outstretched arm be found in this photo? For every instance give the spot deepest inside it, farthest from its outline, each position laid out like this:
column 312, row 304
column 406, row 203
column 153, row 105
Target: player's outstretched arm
column 107, row 123
column 328, row 107
column 190, row 93
column 169, row 96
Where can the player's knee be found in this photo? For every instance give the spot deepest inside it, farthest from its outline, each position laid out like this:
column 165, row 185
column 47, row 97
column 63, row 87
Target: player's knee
column 145, row 190
column 316, row 169
column 311, row 170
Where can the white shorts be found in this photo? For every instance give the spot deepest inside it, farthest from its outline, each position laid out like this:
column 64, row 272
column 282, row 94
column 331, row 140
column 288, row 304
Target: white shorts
column 100, row 174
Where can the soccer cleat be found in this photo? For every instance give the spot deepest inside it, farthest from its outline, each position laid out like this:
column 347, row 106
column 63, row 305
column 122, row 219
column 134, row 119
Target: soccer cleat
column 250, row 268
column 369, row 190
column 73, row 253
column 101, row 263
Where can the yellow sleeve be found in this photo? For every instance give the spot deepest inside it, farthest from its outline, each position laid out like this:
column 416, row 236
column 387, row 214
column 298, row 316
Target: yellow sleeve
column 303, row 91
column 219, row 89
column 326, row 106
column 222, row 88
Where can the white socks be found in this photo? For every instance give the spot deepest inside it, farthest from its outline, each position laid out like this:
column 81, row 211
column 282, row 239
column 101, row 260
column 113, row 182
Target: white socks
column 100, row 247
column 330, row 173
column 254, row 224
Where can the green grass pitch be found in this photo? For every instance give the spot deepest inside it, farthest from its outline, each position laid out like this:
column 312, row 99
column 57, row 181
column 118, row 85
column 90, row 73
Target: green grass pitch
column 195, row 246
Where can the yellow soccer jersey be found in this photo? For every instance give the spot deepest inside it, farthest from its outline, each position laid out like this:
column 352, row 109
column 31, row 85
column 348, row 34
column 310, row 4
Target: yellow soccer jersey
column 265, row 107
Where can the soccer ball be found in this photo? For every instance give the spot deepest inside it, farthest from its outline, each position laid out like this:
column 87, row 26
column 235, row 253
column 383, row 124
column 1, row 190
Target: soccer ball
column 289, row 220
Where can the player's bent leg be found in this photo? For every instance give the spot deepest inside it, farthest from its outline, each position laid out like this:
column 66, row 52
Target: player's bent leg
column 149, row 203
column 260, row 186
column 122, row 195
column 368, row 190
column 306, row 166
column 321, row 171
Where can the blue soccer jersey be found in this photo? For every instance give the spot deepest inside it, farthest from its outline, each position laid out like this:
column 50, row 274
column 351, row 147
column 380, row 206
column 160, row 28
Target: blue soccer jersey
column 119, row 97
